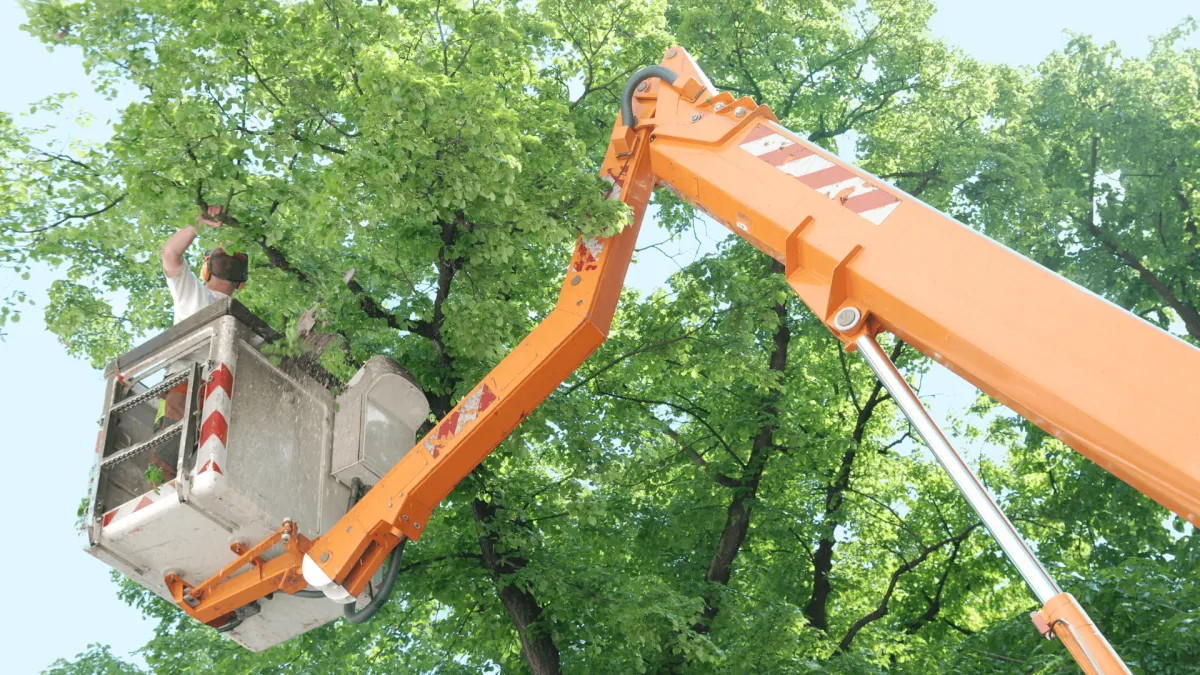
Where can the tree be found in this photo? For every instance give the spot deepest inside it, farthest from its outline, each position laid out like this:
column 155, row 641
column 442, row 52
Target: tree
column 97, row 660
column 423, row 146
column 14, row 196
column 1103, row 150
column 721, row 488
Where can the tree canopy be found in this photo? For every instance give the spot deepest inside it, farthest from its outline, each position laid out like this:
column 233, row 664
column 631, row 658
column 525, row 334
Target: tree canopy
column 720, row 488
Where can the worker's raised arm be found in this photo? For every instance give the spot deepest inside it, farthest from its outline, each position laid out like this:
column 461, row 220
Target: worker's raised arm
column 177, row 245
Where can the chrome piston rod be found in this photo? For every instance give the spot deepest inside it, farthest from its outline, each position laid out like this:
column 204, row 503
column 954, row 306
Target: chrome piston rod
column 993, row 518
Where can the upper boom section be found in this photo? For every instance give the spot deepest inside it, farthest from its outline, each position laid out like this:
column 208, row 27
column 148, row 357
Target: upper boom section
column 1110, row 385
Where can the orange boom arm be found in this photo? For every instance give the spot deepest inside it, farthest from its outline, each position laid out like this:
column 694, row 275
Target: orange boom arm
column 865, row 258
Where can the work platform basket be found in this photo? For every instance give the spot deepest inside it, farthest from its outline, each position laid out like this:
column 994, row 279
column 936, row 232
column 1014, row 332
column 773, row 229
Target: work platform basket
column 206, row 446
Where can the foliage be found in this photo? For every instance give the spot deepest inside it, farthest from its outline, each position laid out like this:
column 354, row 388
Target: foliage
column 153, row 475
column 14, row 194
column 1094, row 173
column 97, row 660
column 721, row 488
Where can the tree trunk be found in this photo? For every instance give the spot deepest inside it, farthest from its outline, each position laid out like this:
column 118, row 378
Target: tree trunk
column 737, row 519
column 536, row 642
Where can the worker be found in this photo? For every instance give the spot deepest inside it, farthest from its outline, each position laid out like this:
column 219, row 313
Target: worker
column 221, row 274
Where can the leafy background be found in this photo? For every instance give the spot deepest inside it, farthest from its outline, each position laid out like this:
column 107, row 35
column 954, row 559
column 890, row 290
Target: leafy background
column 719, row 489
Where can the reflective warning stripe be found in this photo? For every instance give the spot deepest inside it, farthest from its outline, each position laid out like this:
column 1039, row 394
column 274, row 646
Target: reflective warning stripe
column 216, row 394
column 138, row 503
column 798, row 160
column 214, row 426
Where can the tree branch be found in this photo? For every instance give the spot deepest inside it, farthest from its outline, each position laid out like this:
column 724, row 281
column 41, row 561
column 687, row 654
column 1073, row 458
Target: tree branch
column 698, row 459
column 817, row 608
column 691, row 413
column 640, row 350
column 882, row 609
column 935, row 603
column 1187, row 313
column 737, row 517
column 73, row 216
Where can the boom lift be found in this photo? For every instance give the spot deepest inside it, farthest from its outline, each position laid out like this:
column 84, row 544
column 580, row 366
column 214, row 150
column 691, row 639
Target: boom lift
column 866, row 258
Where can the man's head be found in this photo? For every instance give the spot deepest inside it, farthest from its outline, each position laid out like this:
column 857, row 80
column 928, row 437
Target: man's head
column 224, row 272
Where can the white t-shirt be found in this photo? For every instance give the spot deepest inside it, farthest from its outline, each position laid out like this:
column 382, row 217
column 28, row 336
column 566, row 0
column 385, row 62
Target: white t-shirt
column 189, row 294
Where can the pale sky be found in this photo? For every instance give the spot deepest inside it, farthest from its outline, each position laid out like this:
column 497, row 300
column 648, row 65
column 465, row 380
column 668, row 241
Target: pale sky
column 61, row 598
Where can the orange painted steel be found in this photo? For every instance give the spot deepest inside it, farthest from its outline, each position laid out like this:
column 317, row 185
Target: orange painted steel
column 214, row 601
column 1102, row 380
column 399, row 505
column 1063, row 615
column 1105, row 382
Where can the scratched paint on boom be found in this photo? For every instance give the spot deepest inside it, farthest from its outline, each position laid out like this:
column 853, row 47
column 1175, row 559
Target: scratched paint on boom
column 819, row 173
column 479, row 400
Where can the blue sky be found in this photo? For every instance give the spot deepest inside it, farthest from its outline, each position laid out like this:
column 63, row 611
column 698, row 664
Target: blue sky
column 51, row 402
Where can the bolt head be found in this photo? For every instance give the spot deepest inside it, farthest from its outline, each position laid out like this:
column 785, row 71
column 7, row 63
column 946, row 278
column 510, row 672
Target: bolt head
column 671, row 54
column 719, row 106
column 643, row 86
column 696, row 117
column 739, row 111
column 847, row 319
column 285, row 538
column 325, row 557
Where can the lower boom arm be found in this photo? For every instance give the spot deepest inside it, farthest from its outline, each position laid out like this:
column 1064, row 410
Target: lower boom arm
column 344, row 559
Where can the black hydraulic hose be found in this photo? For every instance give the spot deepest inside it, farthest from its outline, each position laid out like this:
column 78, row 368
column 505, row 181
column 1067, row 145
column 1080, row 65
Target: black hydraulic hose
column 380, row 597
column 661, row 72
column 357, row 616
column 356, row 492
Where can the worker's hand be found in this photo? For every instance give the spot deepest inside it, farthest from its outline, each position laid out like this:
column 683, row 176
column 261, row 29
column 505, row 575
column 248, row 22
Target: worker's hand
column 211, row 216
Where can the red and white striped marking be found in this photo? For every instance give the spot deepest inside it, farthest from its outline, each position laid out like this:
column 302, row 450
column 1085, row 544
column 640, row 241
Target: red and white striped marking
column 217, row 395
column 823, row 175
column 589, row 249
column 614, row 192
column 138, row 503
column 480, row 400
column 587, row 253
